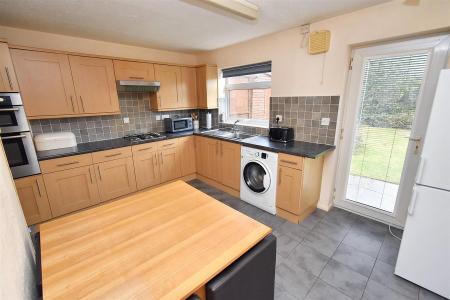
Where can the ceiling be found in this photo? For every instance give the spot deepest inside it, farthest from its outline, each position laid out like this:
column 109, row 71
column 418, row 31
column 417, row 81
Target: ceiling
column 183, row 25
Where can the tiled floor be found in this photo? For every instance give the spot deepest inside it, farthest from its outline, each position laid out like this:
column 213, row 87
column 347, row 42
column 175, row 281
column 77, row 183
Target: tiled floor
column 331, row 255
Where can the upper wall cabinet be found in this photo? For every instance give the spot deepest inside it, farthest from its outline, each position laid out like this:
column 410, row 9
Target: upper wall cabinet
column 188, row 87
column 169, row 95
column 8, row 81
column 95, row 84
column 46, row 83
column 207, row 89
column 130, row 70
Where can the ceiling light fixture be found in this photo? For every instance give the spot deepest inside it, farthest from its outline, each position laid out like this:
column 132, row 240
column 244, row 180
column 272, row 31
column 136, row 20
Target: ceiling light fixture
column 241, row 8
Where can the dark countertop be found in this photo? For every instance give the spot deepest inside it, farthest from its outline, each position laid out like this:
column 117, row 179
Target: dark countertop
column 310, row 150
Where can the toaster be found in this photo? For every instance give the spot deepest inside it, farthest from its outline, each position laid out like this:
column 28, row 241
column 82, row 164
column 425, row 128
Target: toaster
column 281, row 134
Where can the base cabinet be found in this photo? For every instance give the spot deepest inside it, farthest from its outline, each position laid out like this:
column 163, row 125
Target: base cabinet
column 289, row 191
column 186, row 149
column 115, row 178
column 33, row 199
column 146, row 169
column 169, row 164
column 71, row 190
column 230, row 164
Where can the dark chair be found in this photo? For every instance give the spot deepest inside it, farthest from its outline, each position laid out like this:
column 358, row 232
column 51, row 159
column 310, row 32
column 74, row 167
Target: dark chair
column 251, row 277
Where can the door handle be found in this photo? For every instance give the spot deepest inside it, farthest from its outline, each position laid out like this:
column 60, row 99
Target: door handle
column 99, row 173
column 9, row 109
column 9, row 77
column 412, row 205
column 13, row 137
column 162, row 160
column 279, row 176
column 82, row 104
column 38, row 188
column 90, row 175
column 71, row 101
column 420, row 170
column 133, row 77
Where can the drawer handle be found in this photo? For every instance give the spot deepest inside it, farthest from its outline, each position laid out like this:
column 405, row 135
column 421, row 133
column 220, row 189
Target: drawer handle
column 143, row 149
column 289, row 162
column 9, row 78
column 68, row 164
column 167, row 145
column 112, row 155
column 133, row 77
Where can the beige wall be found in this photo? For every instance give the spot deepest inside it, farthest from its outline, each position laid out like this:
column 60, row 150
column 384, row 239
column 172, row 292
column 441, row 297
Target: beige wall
column 39, row 39
column 16, row 251
column 295, row 73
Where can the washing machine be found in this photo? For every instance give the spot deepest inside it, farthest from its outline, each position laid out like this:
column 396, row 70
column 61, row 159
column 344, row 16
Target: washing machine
column 259, row 178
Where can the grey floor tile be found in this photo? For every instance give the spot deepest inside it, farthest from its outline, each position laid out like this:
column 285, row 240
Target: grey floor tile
column 331, row 230
column 354, row 259
column 295, row 231
column 344, row 279
column 425, row 294
column 285, row 245
column 365, row 241
column 282, row 294
column 323, row 291
column 371, row 226
column 340, row 217
column 279, row 259
column 321, row 243
column 251, row 211
column 313, row 219
column 383, row 273
column 294, row 280
column 377, row 291
column 308, row 259
column 389, row 250
column 270, row 220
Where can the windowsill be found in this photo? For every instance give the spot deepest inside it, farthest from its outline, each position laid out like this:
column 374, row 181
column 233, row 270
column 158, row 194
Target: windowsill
column 248, row 124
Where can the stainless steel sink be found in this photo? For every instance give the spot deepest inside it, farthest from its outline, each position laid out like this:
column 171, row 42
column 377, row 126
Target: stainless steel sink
column 227, row 134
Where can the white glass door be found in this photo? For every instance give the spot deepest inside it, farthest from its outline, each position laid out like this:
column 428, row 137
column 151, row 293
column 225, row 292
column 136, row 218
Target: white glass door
column 384, row 123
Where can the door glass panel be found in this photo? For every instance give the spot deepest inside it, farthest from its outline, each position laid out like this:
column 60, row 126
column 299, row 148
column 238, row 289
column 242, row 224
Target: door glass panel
column 15, row 152
column 389, row 90
column 254, row 177
column 7, row 119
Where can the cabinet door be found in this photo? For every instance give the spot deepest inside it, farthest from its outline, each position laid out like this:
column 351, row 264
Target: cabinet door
column 289, row 189
column 8, row 80
column 169, row 94
column 169, row 164
column 46, row 84
column 230, row 161
column 188, row 88
column 200, row 155
column 186, row 148
column 146, row 169
column 33, row 198
column 207, row 86
column 115, row 178
column 95, row 84
column 71, row 190
column 131, row 70
column 212, row 160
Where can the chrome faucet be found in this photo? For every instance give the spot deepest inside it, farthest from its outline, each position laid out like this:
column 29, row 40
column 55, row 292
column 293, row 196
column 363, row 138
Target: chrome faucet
column 235, row 126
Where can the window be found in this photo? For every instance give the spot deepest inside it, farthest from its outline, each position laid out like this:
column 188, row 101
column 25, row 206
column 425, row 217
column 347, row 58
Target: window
column 246, row 94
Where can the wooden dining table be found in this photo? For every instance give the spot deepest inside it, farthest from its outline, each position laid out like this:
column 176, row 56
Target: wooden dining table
column 164, row 243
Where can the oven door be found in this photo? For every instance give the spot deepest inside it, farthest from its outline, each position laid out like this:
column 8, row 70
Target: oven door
column 13, row 119
column 20, row 153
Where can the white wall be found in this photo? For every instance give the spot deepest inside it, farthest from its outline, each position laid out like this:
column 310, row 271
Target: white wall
column 295, row 73
column 45, row 40
column 17, row 262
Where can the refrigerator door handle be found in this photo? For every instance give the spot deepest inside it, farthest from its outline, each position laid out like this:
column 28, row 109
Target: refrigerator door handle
column 420, row 170
column 412, row 204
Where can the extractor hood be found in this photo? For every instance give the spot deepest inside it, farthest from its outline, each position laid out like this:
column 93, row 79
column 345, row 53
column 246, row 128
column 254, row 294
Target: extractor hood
column 137, row 86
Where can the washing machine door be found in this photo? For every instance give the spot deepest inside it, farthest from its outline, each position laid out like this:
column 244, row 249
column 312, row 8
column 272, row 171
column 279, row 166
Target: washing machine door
column 256, row 177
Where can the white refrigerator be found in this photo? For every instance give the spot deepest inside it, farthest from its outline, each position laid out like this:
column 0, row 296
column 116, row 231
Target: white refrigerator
column 424, row 256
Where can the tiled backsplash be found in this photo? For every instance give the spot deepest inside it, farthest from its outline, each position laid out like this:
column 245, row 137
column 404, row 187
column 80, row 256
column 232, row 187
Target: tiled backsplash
column 304, row 114
column 135, row 106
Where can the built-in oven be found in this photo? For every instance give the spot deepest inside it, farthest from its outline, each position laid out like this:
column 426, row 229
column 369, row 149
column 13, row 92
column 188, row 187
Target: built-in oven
column 12, row 114
column 16, row 137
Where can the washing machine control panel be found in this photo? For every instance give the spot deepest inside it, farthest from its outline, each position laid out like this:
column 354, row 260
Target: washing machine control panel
column 263, row 155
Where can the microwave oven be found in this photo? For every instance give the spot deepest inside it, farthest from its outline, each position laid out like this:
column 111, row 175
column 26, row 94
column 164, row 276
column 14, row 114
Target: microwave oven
column 177, row 125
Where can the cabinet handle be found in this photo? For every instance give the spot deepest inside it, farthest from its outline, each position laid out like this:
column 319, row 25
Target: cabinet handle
column 162, row 160
column 288, row 162
column 9, row 109
column 115, row 154
column 155, row 158
column 71, row 101
column 143, row 149
column 133, row 77
column 9, row 77
column 82, row 104
column 279, row 176
column 217, row 148
column 221, row 149
column 167, row 145
column 38, row 188
column 11, row 137
column 99, row 173
column 68, row 164
column 90, row 175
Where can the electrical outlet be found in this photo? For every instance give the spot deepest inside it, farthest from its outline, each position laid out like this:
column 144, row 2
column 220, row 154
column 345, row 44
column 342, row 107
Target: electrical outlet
column 165, row 116
column 158, row 117
column 279, row 117
column 126, row 120
column 325, row 121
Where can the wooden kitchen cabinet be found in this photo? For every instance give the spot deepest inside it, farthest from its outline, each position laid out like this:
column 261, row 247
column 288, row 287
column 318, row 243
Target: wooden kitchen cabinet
column 33, row 199
column 95, row 84
column 186, row 149
column 146, row 168
column 71, row 190
column 211, row 163
column 169, row 95
column 169, row 164
column 131, row 70
column 207, row 86
column 8, row 80
column 46, row 84
column 115, row 178
column 298, row 186
column 188, row 87
column 230, row 164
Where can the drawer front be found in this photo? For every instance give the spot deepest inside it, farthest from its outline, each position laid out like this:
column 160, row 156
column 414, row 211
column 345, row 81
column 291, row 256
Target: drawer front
column 172, row 143
column 112, row 154
column 290, row 161
column 65, row 163
column 144, row 148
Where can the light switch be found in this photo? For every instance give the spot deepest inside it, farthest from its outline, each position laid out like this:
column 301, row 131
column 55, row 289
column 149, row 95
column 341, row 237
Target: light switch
column 325, row 121
column 158, row 117
column 126, row 120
